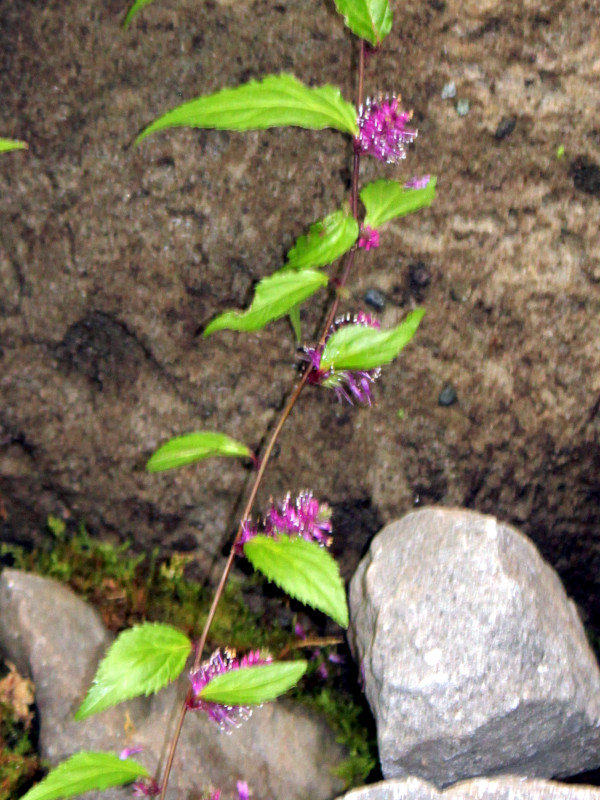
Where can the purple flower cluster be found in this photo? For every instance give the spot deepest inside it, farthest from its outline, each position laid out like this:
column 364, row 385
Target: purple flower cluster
column 382, row 130
column 368, row 238
column 304, row 517
column 349, row 385
column 146, row 787
column 227, row 717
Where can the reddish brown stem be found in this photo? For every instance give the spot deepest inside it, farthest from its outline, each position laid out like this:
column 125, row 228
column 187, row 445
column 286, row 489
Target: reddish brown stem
column 348, row 261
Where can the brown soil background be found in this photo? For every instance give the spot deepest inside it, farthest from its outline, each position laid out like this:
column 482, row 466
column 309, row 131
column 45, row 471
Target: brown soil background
column 113, row 257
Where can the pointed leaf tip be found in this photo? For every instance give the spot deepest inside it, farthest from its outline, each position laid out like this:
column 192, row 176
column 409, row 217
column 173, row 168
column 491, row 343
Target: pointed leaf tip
column 368, row 19
column 140, row 661
column 386, row 200
column 254, row 685
column 304, row 570
column 6, row 145
column 326, row 240
column 276, row 101
column 85, row 772
column 137, row 6
column 274, row 297
column 358, row 347
column 192, row 447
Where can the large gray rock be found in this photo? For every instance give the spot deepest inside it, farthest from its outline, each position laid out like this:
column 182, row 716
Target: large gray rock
column 505, row 788
column 474, row 660
column 58, row 639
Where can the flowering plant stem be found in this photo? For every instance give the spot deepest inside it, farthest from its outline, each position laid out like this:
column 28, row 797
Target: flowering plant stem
column 348, row 262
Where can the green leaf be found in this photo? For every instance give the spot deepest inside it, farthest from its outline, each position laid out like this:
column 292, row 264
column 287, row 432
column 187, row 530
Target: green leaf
column 193, row 447
column 295, row 323
column 12, row 144
column 361, row 347
column 254, row 685
column 276, row 101
column 141, row 660
column 368, row 19
column 274, row 297
column 137, row 6
column 84, row 772
column 386, row 200
column 326, row 240
column 303, row 570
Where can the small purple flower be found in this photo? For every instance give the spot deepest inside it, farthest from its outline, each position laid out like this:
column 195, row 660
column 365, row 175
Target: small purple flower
column 322, row 671
column 304, row 517
column 129, row 751
column 243, row 791
column 227, row 717
column 299, row 631
column 382, row 130
column 369, row 238
column 146, row 787
column 417, row 183
column 349, row 385
column 337, row 658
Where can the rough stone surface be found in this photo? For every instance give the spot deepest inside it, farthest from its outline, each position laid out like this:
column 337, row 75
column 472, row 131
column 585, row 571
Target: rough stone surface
column 112, row 257
column 505, row 788
column 57, row 639
column 474, row 660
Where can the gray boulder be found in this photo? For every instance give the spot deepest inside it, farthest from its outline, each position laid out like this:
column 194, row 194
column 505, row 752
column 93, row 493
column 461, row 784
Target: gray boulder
column 474, row 660
column 505, row 788
column 57, row 639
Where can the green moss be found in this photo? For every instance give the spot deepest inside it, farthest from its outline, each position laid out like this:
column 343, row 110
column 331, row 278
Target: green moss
column 19, row 764
column 129, row 588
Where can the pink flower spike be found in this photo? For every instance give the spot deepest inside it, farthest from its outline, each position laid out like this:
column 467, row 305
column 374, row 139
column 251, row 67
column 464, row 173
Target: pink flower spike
column 305, row 517
column 369, row 238
column 322, row 671
column 243, row 791
column 417, row 183
column 226, row 717
column 382, row 130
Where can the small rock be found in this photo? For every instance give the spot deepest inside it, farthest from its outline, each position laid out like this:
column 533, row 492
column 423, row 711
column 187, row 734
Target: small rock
column 449, row 91
column 375, row 299
column 462, row 107
column 57, row 639
column 419, row 278
column 586, row 175
column 505, row 127
column 447, row 396
column 474, row 660
column 504, row 788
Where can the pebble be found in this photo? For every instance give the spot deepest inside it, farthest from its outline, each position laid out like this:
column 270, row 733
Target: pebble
column 448, row 395
column 462, row 107
column 375, row 299
column 449, row 91
column 505, row 127
column 586, row 175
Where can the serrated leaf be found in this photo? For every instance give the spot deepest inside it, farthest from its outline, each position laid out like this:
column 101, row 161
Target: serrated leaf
column 84, row 772
column 137, row 6
column 140, row 661
column 386, row 200
column 277, row 100
column 326, row 240
column 193, row 447
column 254, row 685
column 303, row 570
column 368, row 19
column 274, row 297
column 12, row 144
column 360, row 347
